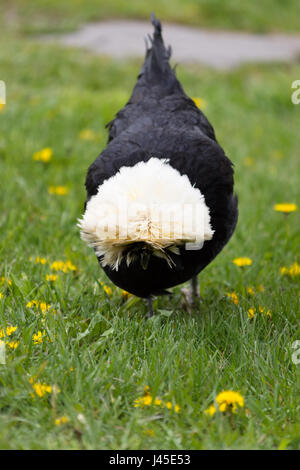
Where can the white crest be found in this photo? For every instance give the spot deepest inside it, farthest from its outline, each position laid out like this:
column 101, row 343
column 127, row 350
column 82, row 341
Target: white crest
column 150, row 203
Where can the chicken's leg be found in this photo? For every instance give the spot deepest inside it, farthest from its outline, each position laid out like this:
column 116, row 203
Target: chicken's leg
column 150, row 307
column 194, row 290
column 191, row 294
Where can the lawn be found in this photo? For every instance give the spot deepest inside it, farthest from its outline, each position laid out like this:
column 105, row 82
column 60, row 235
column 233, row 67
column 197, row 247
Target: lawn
column 81, row 353
column 37, row 16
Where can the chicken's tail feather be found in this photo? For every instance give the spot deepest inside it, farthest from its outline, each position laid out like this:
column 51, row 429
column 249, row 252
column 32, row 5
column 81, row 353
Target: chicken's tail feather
column 156, row 68
column 157, row 25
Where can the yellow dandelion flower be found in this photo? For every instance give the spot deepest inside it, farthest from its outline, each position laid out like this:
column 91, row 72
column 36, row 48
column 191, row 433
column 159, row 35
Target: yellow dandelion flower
column 229, row 400
column 253, row 290
column 57, row 265
column 137, row 402
column 158, row 402
column 87, row 134
column 8, row 331
column 4, row 280
column 32, row 303
column 43, row 306
column 43, row 155
column 211, row 410
column 143, row 401
column 69, row 266
column 13, row 344
column 251, row 313
column 107, row 289
column 125, row 294
column 199, row 102
column 63, row 266
column 148, row 400
column 41, row 389
column 243, row 261
column 51, row 277
column 37, row 338
column 286, row 207
column 61, row 420
column 265, row 312
column 40, row 260
column 233, row 297
column 58, row 190
column 1, row 296
column 292, row 271
column 223, row 407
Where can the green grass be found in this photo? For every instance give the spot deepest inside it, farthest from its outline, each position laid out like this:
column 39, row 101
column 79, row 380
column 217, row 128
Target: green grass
column 113, row 351
column 37, row 16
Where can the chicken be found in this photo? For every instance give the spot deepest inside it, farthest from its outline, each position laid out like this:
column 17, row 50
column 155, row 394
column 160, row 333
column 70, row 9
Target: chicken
column 160, row 203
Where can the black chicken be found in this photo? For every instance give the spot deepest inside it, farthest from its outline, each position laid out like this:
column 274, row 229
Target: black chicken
column 161, row 150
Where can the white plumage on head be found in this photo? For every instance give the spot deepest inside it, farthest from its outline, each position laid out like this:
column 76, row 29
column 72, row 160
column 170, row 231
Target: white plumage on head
column 149, row 203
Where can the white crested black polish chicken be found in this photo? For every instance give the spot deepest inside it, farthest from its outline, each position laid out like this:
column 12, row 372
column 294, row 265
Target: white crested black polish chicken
column 160, row 203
